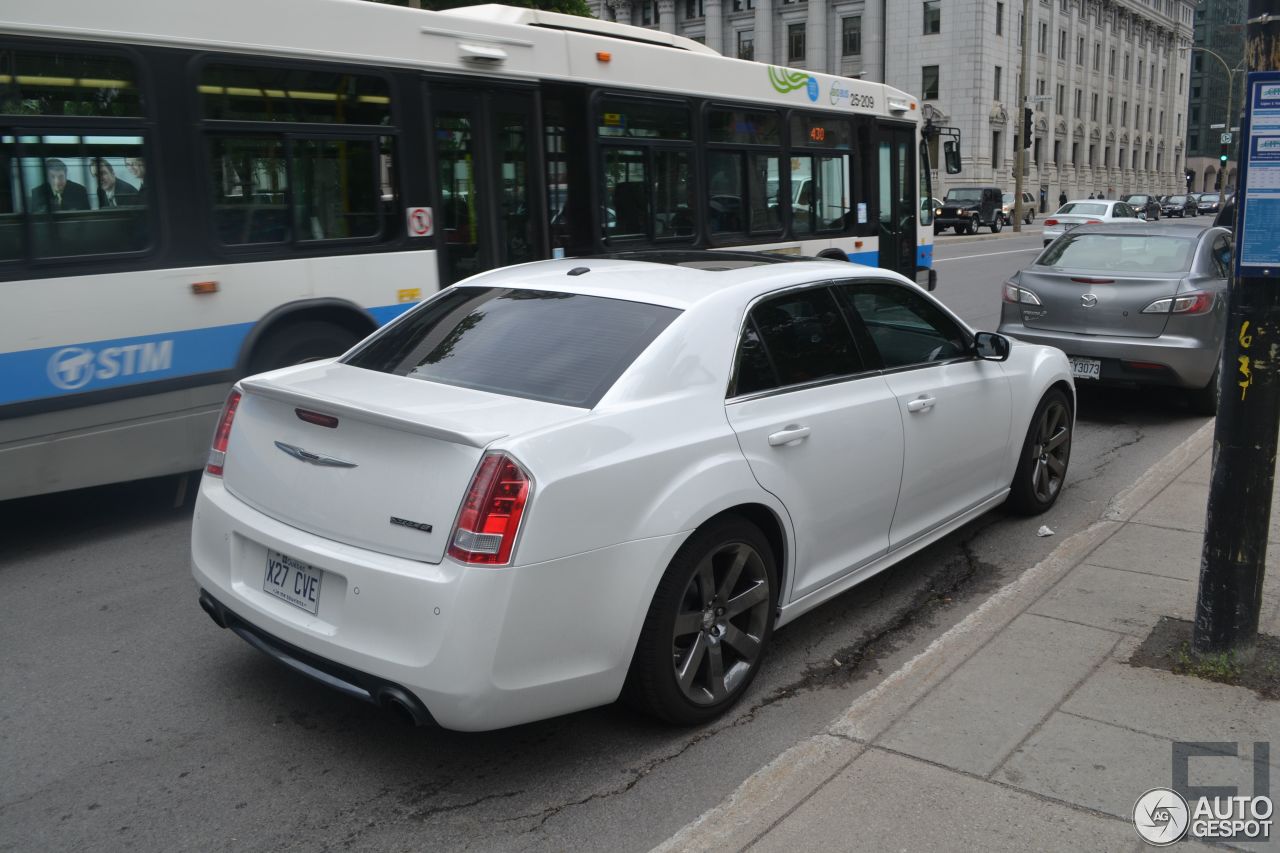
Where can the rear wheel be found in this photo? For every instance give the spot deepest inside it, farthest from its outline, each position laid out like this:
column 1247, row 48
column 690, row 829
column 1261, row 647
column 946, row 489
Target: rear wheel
column 1204, row 401
column 298, row 342
column 705, row 634
column 1046, row 451
column 997, row 224
column 1029, row 218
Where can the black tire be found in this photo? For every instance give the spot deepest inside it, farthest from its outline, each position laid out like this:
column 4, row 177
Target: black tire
column 1029, row 218
column 973, row 225
column 962, row 229
column 1045, row 454
column 298, row 342
column 687, row 611
column 1204, row 401
column 997, row 224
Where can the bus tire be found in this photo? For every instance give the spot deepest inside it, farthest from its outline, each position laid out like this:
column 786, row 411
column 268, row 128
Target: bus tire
column 295, row 343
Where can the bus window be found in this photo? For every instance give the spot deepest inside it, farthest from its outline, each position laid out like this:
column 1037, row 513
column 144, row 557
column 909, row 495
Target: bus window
column 76, row 192
column 626, row 180
column 337, row 193
column 726, row 189
column 66, row 84
column 250, row 184
column 672, row 194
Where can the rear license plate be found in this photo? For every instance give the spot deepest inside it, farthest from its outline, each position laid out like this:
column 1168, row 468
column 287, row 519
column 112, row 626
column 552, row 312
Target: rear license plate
column 293, row 581
column 1086, row 368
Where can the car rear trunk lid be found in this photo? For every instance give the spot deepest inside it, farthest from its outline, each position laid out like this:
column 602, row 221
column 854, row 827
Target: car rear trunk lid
column 1099, row 303
column 398, row 450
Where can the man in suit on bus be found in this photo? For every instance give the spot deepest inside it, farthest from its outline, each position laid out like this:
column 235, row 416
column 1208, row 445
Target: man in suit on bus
column 112, row 192
column 57, row 193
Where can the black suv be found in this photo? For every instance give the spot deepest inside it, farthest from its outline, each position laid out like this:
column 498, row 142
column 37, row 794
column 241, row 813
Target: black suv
column 968, row 208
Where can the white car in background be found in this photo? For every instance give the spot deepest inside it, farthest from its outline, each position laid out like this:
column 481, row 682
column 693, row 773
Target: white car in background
column 1086, row 212
column 558, row 483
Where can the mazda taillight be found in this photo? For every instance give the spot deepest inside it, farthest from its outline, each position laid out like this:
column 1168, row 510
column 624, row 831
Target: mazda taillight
column 218, row 452
column 1015, row 294
column 1188, row 303
column 485, row 532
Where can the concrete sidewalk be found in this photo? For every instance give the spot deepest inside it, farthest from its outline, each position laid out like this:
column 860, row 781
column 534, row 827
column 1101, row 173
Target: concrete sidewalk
column 1024, row 727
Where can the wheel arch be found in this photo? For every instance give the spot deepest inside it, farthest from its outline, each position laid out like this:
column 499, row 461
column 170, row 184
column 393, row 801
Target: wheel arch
column 766, row 520
column 341, row 312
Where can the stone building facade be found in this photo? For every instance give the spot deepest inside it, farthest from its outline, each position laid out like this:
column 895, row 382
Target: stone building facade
column 1110, row 76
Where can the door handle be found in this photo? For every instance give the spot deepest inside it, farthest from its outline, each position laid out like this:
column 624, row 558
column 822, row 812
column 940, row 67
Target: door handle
column 921, row 404
column 790, row 434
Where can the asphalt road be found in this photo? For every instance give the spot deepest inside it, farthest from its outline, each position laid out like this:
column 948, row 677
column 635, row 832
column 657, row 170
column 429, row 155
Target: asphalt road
column 129, row 721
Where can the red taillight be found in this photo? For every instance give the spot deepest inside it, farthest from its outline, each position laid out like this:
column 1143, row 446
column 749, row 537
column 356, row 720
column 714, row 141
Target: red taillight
column 1094, row 280
column 218, row 452
column 1093, row 222
column 1051, row 222
column 485, row 531
column 316, row 418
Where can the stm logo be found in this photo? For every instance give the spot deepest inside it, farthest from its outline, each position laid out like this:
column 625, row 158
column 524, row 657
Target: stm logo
column 72, row 368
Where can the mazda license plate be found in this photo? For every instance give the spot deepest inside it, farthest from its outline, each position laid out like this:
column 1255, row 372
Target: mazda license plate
column 1086, row 368
column 293, row 581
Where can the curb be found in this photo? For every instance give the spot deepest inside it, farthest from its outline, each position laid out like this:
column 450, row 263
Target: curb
column 770, row 794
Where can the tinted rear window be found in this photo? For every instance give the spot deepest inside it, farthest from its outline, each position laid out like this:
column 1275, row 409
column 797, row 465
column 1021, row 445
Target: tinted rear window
column 1138, row 254
column 1083, row 209
column 557, row 347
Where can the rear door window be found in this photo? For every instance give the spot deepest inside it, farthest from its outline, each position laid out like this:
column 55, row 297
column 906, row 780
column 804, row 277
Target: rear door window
column 561, row 348
column 795, row 338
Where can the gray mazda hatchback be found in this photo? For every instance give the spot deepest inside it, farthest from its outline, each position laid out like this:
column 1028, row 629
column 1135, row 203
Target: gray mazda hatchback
column 1129, row 303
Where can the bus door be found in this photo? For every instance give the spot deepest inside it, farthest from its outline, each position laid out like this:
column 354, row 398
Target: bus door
column 485, row 148
column 897, row 182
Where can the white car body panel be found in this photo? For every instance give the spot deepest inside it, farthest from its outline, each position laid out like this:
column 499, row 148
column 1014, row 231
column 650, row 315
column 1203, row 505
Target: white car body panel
column 617, row 490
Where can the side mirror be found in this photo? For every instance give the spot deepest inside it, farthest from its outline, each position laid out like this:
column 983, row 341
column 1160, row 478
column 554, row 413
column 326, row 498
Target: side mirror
column 951, row 156
column 991, row 347
column 927, row 277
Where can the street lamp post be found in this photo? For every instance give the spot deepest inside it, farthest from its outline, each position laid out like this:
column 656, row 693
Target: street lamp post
column 1231, row 98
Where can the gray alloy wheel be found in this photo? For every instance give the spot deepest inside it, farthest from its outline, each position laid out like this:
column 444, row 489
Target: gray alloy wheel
column 1042, row 467
column 721, row 622
column 973, row 225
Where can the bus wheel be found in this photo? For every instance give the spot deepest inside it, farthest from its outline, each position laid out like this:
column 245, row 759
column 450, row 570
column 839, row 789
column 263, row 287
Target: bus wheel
column 295, row 343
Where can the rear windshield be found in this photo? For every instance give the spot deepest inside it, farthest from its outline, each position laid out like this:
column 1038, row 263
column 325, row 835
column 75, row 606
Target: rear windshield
column 556, row 347
column 1136, row 253
column 1083, row 208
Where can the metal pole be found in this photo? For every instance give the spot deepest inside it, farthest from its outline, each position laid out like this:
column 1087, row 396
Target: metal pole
column 1020, row 158
column 1233, row 561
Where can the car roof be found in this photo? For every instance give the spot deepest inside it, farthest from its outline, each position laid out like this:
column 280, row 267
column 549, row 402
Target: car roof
column 675, row 286
column 1137, row 227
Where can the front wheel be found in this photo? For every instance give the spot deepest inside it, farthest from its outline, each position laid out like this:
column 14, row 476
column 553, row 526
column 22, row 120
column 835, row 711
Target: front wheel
column 973, row 225
column 1029, row 218
column 1046, row 451
column 711, row 617
column 997, row 224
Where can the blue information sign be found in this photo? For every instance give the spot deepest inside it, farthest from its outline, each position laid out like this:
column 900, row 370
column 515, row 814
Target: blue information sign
column 1258, row 195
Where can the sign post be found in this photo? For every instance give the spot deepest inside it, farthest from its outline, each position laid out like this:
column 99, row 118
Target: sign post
column 1233, row 560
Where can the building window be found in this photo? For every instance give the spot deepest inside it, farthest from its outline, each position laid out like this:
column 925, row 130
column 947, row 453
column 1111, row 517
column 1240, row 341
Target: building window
column 1040, row 87
column 1111, row 63
column 1060, row 102
column 999, row 75
column 1062, row 45
column 795, row 42
column 1126, row 66
column 1080, row 51
column 851, row 36
column 1057, row 152
column 1124, row 113
column 1180, row 76
column 1106, row 157
column 932, row 17
column 1140, row 72
column 1093, row 107
column 747, row 44
column 1079, row 101
column 1042, row 41
column 997, row 157
column 1111, row 103
column 1097, row 56
column 1075, row 154
column 1093, row 155
column 929, row 83
column 999, row 19
column 693, row 9
column 1035, row 148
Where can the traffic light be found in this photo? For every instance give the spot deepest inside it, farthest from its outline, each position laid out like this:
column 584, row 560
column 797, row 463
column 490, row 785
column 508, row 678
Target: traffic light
column 1224, row 153
column 1026, row 127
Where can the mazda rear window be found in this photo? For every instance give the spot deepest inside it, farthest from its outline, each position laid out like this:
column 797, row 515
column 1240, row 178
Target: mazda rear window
column 562, row 348
column 1136, row 253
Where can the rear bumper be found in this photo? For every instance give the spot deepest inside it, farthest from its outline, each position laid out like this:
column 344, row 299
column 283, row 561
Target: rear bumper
column 1186, row 362
column 470, row 648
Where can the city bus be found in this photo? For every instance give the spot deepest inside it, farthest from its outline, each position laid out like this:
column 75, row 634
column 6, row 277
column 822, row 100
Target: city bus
column 193, row 193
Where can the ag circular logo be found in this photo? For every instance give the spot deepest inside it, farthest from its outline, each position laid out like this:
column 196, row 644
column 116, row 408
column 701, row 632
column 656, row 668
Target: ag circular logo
column 813, row 89
column 1161, row 817
column 71, row 368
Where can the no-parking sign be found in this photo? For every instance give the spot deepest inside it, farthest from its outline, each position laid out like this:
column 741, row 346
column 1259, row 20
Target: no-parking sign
column 421, row 223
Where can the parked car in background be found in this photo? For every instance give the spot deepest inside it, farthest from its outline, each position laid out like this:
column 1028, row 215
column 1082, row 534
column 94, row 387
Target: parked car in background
column 1085, row 212
column 556, row 483
column 1209, row 203
column 1028, row 208
column 968, row 208
column 1129, row 303
column 1179, row 205
column 1147, row 206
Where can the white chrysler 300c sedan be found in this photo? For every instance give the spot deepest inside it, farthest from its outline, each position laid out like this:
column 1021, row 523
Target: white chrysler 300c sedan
column 556, row 484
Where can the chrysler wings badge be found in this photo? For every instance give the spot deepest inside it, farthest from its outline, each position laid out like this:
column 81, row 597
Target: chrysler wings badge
column 313, row 458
